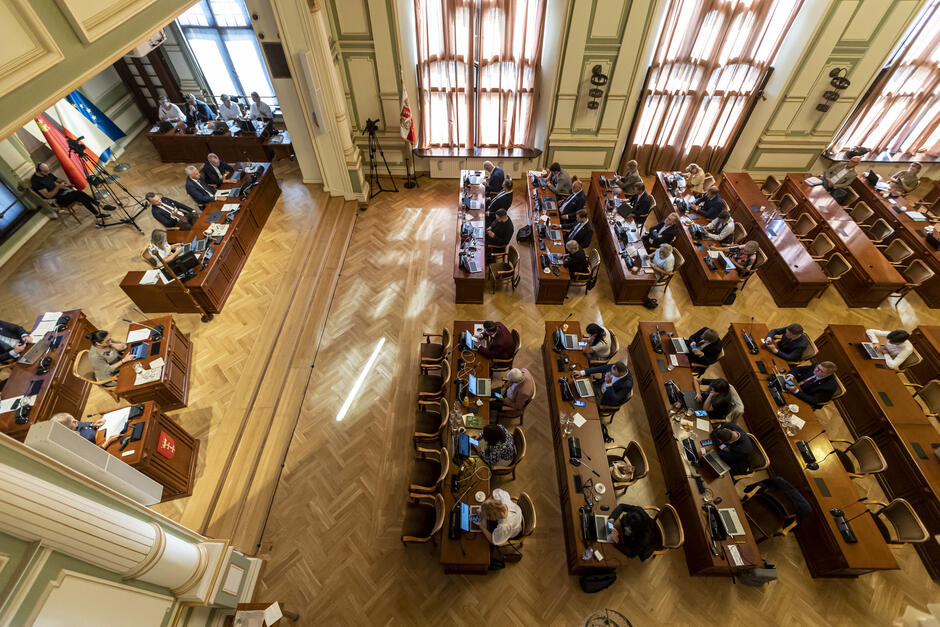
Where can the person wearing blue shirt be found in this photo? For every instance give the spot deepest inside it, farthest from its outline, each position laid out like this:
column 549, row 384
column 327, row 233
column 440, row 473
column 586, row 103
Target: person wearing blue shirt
column 494, row 178
column 83, row 428
column 616, row 385
column 709, row 205
column 197, row 111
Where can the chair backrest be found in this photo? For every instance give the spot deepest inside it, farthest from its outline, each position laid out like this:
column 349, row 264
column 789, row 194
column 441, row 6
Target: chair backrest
column 670, row 526
column 840, row 389
column 439, row 512
column 524, row 501
column 634, row 453
column 83, row 369
column 912, row 360
column 897, row 251
column 737, row 406
column 930, row 394
column 810, row 351
column 445, row 341
column 513, row 256
column 851, row 198
column 445, row 375
column 147, row 256
column 867, row 455
column 740, row 233
column 821, row 246
column 614, row 345
column 804, row 224
column 595, row 261
column 917, row 272
column 708, row 182
column 518, row 438
column 880, row 230
column 759, row 460
column 679, row 259
column 770, row 185
column 786, row 204
column 444, row 408
column 761, row 260
column 861, row 212
column 905, row 521
column 836, row 266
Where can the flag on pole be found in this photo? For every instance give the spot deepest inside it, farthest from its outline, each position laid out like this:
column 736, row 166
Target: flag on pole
column 72, row 122
column 70, row 163
column 407, row 122
column 97, row 117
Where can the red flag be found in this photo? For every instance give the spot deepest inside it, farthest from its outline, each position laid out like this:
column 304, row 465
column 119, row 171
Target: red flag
column 407, row 122
column 69, row 162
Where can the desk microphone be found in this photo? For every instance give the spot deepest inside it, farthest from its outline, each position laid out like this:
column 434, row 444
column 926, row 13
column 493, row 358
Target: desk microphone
column 807, row 455
column 564, row 323
column 577, row 462
column 157, row 330
column 838, row 511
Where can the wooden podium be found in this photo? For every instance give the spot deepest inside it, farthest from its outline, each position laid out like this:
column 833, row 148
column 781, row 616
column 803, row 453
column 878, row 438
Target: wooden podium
column 171, row 390
column 165, row 452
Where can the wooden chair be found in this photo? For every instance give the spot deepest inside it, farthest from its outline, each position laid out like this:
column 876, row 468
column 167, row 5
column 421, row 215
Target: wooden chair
column 664, row 279
column 433, row 354
column 835, row 267
column 767, row 514
column 740, row 233
column 524, row 501
column 614, row 349
column 147, row 256
column 770, row 186
column 58, row 211
column 497, row 364
column 761, row 260
column 840, row 389
column 820, row 247
column 737, row 408
column 633, row 455
column 667, row 521
column 851, row 198
column 810, row 351
column 759, row 460
column 878, row 231
column 429, row 473
column 912, row 360
column 506, row 271
column 583, row 279
column 496, row 253
column 861, row 457
column 505, row 413
column 787, row 204
column 915, row 274
column 608, row 411
column 518, row 439
column 860, row 212
column 929, row 395
column 424, row 517
column 430, row 425
column 431, row 387
column 709, row 182
column 82, row 369
column 898, row 522
column 804, row 226
column 699, row 369
column 897, row 251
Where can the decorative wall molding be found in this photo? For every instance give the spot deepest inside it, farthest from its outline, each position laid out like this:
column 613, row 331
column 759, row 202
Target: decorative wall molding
column 91, row 20
column 28, row 48
column 113, row 602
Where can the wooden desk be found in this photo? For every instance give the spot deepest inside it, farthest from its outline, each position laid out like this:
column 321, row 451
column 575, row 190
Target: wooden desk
column 629, row 288
column 470, row 553
column 469, row 286
column 165, row 452
column 827, row 554
column 171, row 390
column 592, row 445
column 650, row 372
column 877, row 404
column 705, row 286
column 926, row 341
column 214, row 282
column 790, row 274
column 193, row 148
column 909, row 230
column 872, row 277
column 60, row 391
column 549, row 288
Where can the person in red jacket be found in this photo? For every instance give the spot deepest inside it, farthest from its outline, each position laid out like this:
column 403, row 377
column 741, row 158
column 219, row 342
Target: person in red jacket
column 497, row 342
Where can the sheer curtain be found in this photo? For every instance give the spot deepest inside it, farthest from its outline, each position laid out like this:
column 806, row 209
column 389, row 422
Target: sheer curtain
column 477, row 71
column 711, row 59
column 900, row 114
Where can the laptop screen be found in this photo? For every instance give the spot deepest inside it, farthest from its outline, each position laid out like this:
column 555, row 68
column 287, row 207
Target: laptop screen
column 472, row 384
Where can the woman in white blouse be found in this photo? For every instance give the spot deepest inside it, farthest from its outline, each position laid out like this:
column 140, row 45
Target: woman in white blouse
column 160, row 249
column 695, row 177
column 897, row 347
column 598, row 342
column 506, row 514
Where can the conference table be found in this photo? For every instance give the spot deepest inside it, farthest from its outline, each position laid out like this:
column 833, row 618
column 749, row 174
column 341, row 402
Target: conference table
column 651, row 370
column 58, row 390
column 630, row 288
column 791, row 275
column 468, row 286
column 910, row 229
column 259, row 145
column 220, row 268
column 877, row 404
column 872, row 277
column 470, row 552
column 926, row 341
column 593, row 452
column 543, row 215
column 825, row 550
column 705, row 286
column 171, row 389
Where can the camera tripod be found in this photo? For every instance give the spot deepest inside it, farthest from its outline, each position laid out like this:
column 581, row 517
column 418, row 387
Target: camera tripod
column 375, row 186
column 104, row 184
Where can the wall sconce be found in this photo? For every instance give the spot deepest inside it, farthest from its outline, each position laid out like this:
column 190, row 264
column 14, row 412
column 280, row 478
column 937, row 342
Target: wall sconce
column 839, row 82
column 598, row 80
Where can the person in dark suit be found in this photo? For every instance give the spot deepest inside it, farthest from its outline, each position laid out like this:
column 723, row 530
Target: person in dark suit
column 638, row 206
column 635, row 532
column 615, row 387
column 198, row 190
column 733, row 446
column 574, row 203
column 662, row 233
column 815, row 385
column 581, row 232
column 575, row 260
column 500, row 231
column 502, row 200
column 215, row 171
column 782, row 491
column 170, row 213
column 494, row 178
column 709, row 205
column 788, row 343
column 197, row 111
column 13, row 341
column 714, row 395
column 497, row 341
column 704, row 348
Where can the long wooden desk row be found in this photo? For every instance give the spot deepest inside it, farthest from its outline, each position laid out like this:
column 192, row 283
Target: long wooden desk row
column 242, row 146
column 877, row 404
column 215, row 279
column 926, row 341
column 550, row 289
column 872, row 277
column 469, row 285
column 791, row 275
column 829, row 486
column 909, row 230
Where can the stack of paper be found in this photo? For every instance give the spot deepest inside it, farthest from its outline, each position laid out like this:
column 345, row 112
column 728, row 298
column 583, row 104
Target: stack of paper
column 8, row 403
column 138, row 335
column 916, row 215
column 216, row 230
column 46, row 323
column 151, row 277
column 115, row 421
column 148, row 376
column 230, row 206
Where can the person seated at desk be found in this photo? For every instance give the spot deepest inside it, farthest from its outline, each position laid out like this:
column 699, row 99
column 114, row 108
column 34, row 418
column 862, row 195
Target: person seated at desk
column 170, row 213
column 502, row 200
column 507, row 516
column 721, row 229
column 494, row 178
column 500, row 230
column 13, row 341
column 570, row 206
column 229, row 110
column 559, row 181
column 51, row 187
column 614, row 389
column 813, row 384
column 497, row 341
column 784, row 492
column 582, row 232
column 638, row 206
column 199, row 191
column 695, row 179
column 663, row 233
column 635, row 532
column 516, row 391
column 161, row 250
column 597, row 342
column 715, row 398
column 704, row 347
column 105, row 355
column 85, row 429
column 838, row 178
column 792, row 344
column 169, row 112
column 743, row 257
column 897, row 347
column 905, row 181
column 734, row 447
column 575, row 260
column 215, row 171
column 500, row 448
column 663, row 261
column 630, row 179
column 709, row 205
column 197, row 112
column 259, row 110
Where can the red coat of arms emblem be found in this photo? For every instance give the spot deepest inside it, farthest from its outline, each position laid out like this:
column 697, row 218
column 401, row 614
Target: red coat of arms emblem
column 166, row 445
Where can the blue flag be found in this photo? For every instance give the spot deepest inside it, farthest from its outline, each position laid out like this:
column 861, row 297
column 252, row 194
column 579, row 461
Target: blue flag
column 97, row 117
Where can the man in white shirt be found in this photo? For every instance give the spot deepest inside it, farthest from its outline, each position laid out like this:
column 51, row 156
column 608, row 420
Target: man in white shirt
column 721, row 229
column 837, row 178
column 897, row 347
column 259, row 109
column 228, row 110
column 508, row 517
column 169, row 112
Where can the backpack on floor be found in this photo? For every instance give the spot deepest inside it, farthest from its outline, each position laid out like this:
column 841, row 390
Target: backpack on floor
column 524, row 234
column 595, row 582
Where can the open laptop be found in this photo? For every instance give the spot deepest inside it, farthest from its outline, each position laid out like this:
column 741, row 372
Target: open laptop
column 585, row 389
column 569, row 341
column 872, row 177
column 35, row 351
column 195, row 246
column 463, row 447
column 731, row 522
column 678, row 345
column 475, row 177
column 479, row 229
column 554, row 234
column 470, row 514
column 601, row 531
column 548, row 203
column 868, row 350
column 469, row 340
column 479, row 387
column 138, row 350
column 555, row 258
column 714, row 460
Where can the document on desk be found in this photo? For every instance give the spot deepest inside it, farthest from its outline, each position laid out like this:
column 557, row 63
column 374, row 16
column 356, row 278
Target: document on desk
column 578, row 420
column 148, row 376
column 151, row 277
column 230, row 206
column 8, row 404
column 46, row 323
column 703, row 425
column 138, row 335
column 115, row 421
column 813, row 180
column 156, row 363
column 734, row 555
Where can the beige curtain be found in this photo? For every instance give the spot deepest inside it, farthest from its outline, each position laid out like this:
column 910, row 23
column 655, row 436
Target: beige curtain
column 900, row 114
column 711, row 59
